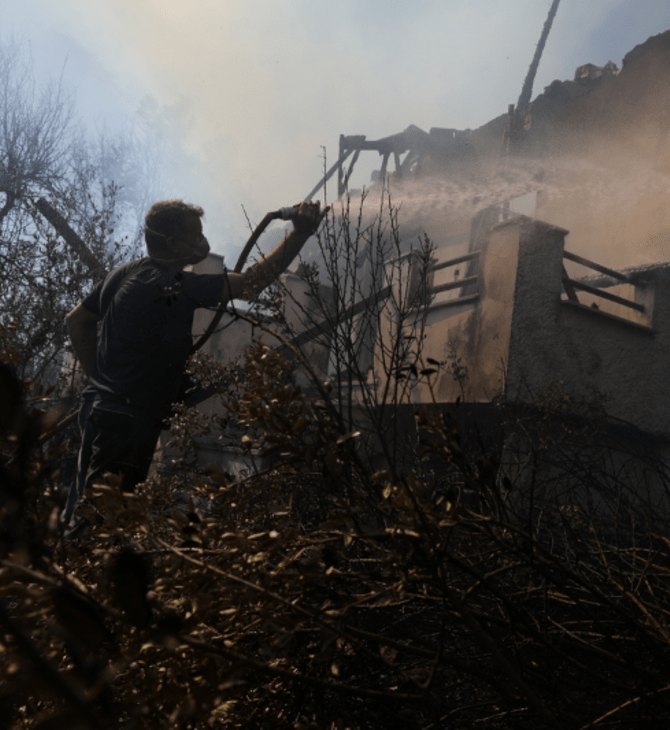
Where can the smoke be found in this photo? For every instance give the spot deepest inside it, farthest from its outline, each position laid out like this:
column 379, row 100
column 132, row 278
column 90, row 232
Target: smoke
column 616, row 213
column 266, row 88
column 613, row 203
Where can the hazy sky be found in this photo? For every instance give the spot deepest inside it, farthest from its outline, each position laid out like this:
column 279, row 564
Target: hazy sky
column 263, row 86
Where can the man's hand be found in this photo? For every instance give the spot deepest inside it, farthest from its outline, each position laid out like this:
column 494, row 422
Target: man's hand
column 308, row 217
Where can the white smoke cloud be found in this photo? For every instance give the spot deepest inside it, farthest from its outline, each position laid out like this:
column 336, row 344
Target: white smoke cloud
column 265, row 84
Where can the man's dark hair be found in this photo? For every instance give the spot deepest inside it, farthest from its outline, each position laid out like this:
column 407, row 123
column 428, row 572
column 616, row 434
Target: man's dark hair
column 169, row 218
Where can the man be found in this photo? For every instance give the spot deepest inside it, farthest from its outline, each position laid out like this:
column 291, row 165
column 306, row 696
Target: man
column 145, row 308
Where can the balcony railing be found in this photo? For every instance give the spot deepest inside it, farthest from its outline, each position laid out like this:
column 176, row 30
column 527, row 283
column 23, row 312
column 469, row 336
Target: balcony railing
column 467, row 285
column 591, row 291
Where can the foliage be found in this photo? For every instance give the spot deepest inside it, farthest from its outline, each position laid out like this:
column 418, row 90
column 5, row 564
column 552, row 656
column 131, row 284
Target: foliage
column 359, row 324
column 321, row 593
column 501, row 579
column 92, row 184
column 45, row 281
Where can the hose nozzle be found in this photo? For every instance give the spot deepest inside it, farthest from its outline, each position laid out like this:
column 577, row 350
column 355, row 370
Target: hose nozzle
column 285, row 214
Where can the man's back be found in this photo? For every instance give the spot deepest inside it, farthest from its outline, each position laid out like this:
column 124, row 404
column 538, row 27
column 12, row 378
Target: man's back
column 147, row 315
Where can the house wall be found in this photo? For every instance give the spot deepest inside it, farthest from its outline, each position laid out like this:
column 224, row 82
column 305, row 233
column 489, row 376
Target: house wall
column 597, row 157
column 516, row 335
column 583, row 349
column 470, row 336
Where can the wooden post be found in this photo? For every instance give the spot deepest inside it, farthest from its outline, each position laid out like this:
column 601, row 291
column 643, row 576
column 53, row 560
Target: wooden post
column 71, row 238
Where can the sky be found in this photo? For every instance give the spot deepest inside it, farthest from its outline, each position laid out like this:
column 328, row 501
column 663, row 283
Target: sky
column 257, row 92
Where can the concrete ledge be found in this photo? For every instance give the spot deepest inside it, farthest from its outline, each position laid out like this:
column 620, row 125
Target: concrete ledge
column 453, row 302
column 606, row 315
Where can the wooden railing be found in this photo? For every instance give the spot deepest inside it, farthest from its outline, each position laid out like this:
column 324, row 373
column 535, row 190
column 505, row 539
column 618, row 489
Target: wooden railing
column 457, row 283
column 324, row 327
column 452, row 262
column 570, row 285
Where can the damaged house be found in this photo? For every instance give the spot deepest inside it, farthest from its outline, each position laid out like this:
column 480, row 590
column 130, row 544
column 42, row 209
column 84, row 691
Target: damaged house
column 549, row 232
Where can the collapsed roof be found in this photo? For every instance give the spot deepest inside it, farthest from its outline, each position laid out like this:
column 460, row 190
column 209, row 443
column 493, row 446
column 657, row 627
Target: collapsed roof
column 631, row 105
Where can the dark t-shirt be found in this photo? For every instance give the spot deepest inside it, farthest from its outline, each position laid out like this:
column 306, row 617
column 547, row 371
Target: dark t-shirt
column 145, row 339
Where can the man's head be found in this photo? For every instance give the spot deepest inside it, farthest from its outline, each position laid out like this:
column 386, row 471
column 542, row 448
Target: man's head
column 173, row 233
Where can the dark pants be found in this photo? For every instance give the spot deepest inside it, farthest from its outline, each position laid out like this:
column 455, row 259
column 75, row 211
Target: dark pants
column 117, row 443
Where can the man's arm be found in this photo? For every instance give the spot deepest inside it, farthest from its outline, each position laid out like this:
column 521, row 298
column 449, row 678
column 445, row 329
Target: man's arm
column 82, row 328
column 265, row 271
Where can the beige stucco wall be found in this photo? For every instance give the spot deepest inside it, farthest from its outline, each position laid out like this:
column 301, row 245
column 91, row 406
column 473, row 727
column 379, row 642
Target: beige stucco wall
column 472, row 333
